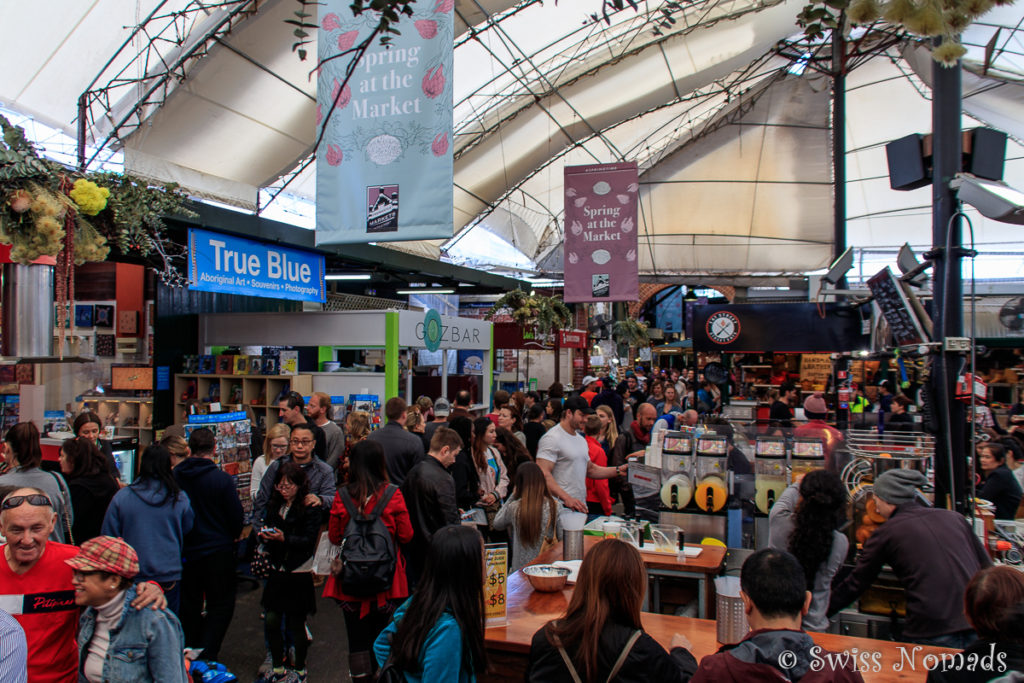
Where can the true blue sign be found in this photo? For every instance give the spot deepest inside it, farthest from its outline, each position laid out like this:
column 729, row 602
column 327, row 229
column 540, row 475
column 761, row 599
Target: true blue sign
column 234, row 265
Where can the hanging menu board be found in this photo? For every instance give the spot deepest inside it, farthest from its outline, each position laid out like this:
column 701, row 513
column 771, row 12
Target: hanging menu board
column 816, row 368
column 892, row 301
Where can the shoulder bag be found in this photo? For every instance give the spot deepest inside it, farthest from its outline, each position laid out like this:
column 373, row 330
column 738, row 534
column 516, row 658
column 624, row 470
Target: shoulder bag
column 550, row 538
column 618, row 662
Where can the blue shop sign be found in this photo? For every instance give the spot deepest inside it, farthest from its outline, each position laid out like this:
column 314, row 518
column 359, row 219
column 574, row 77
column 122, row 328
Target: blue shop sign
column 234, row 265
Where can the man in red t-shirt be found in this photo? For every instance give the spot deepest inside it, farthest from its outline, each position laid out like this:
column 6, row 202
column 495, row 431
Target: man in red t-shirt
column 589, row 388
column 35, row 586
column 599, row 497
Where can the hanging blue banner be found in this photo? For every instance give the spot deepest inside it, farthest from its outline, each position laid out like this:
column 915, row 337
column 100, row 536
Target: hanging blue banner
column 384, row 165
column 234, row 265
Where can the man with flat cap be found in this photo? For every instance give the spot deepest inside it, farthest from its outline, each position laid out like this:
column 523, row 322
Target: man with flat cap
column 932, row 551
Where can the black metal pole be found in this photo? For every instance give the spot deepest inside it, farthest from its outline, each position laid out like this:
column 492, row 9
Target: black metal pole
column 839, row 143
column 83, row 112
column 839, row 173
column 947, row 305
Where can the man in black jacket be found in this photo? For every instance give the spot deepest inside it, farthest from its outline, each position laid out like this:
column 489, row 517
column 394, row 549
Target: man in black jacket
column 609, row 396
column 429, row 493
column 208, row 570
column 932, row 551
column 402, row 449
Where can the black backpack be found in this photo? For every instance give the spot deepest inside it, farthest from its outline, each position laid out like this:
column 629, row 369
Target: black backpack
column 368, row 557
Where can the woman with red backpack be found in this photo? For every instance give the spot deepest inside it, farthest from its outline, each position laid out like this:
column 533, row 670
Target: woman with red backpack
column 368, row 598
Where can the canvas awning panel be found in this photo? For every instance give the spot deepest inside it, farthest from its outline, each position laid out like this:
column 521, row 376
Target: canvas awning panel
column 733, row 148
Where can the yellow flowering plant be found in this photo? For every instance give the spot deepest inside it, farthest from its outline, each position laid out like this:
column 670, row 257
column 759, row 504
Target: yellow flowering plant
column 47, row 209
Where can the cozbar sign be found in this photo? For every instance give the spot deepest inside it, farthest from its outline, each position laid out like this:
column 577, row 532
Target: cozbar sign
column 426, row 330
column 234, row 265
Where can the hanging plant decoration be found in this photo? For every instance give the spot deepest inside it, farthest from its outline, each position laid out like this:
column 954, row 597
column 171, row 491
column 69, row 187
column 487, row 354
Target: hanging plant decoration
column 49, row 210
column 541, row 314
column 630, row 333
column 945, row 19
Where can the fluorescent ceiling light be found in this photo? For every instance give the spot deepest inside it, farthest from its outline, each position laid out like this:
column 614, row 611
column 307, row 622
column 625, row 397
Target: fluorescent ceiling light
column 347, row 276
column 424, row 290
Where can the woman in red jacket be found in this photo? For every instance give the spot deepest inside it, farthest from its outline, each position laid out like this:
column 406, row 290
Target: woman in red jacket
column 366, row 617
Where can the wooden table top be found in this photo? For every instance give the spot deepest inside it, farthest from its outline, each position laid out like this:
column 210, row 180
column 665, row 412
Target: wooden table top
column 708, row 562
column 529, row 610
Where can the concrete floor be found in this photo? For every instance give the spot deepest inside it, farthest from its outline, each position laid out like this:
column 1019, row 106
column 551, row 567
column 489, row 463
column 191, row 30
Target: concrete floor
column 243, row 650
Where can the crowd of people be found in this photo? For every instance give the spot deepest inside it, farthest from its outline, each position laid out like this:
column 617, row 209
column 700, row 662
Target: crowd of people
column 409, row 505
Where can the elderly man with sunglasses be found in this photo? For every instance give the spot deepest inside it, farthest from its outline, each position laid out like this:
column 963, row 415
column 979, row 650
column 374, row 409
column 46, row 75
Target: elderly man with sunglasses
column 35, row 586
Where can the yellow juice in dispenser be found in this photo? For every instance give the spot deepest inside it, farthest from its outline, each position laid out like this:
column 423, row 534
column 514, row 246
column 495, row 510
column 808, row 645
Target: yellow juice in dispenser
column 711, row 493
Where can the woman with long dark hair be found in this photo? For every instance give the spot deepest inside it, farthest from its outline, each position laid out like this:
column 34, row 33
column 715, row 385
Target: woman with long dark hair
column 89, row 425
column 438, row 634
column 531, row 515
column 513, row 452
column 805, row 521
column 153, row 515
column 366, row 616
column 489, row 466
column 601, row 635
column 24, row 457
column 463, row 470
column 290, row 532
column 90, row 485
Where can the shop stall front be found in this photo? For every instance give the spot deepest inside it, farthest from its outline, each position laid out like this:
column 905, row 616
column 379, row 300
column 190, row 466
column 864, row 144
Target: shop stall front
column 368, row 353
column 528, row 362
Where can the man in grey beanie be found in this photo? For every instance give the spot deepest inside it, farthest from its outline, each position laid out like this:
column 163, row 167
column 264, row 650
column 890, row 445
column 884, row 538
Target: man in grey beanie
column 933, row 552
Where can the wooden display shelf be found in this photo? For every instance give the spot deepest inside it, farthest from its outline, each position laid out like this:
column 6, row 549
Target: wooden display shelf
column 253, row 387
column 117, row 409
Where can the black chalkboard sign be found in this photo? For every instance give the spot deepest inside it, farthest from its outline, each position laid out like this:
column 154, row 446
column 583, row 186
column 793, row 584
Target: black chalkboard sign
column 892, row 300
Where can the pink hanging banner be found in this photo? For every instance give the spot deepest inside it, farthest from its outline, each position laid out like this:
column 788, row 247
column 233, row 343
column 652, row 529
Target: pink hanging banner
column 600, row 233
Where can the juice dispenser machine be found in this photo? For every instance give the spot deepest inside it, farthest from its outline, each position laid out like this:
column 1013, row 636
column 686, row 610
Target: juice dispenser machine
column 677, row 464
column 711, row 472
column 769, row 470
column 808, row 454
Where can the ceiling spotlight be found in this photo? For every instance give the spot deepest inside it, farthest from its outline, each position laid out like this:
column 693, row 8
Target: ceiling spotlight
column 994, row 199
column 839, row 268
column 347, row 276
column 425, row 290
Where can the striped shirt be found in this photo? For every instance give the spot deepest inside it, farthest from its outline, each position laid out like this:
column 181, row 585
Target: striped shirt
column 13, row 651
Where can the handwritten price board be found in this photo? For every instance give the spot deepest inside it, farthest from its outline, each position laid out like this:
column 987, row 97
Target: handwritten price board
column 816, row 367
column 495, row 579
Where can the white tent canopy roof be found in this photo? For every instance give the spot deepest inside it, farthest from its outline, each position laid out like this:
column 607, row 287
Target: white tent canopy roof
column 733, row 140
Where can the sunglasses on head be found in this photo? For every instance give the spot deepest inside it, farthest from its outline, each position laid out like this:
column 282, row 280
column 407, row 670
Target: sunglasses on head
column 37, row 499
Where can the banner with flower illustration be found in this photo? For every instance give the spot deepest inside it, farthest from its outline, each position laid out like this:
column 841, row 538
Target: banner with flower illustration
column 384, row 165
column 600, row 233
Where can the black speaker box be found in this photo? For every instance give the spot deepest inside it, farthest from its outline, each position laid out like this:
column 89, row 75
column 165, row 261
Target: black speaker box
column 986, row 154
column 907, row 170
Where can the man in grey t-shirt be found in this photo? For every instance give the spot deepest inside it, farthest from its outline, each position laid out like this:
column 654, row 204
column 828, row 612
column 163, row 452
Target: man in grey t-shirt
column 562, row 456
column 319, row 411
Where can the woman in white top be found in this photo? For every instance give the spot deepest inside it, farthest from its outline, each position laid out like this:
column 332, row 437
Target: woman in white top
column 489, row 466
column 275, row 444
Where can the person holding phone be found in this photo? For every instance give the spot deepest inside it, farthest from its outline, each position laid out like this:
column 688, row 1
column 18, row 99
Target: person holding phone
column 289, row 534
